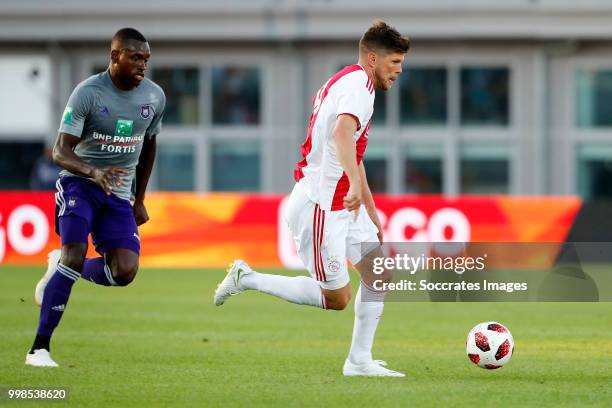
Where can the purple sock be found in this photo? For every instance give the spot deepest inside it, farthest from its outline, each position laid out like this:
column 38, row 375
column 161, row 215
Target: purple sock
column 96, row 271
column 55, row 299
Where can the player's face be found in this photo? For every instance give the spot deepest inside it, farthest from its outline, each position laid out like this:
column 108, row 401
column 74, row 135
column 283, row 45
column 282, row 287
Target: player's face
column 132, row 62
column 387, row 69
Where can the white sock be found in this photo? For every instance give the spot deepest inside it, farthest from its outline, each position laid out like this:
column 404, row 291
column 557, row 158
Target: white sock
column 302, row 290
column 367, row 315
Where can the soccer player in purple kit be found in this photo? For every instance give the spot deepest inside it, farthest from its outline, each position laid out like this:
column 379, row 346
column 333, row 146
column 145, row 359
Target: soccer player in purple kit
column 106, row 146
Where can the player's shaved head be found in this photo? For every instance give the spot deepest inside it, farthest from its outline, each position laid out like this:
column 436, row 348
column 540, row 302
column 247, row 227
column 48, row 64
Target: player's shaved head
column 130, row 55
column 125, row 36
column 382, row 38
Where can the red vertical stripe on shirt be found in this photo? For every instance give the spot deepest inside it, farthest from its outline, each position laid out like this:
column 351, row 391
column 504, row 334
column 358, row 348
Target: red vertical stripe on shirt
column 343, row 184
column 307, row 145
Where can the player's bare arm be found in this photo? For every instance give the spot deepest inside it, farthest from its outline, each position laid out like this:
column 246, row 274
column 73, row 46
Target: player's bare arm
column 368, row 201
column 64, row 156
column 143, row 173
column 343, row 132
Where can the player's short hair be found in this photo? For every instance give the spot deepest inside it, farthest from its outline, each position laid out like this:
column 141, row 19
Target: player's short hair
column 382, row 37
column 126, row 34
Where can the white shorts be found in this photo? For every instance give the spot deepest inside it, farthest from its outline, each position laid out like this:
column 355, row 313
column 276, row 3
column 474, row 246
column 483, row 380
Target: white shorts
column 325, row 239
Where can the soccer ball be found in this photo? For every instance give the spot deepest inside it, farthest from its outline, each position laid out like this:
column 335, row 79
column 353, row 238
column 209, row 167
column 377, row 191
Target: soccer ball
column 489, row 345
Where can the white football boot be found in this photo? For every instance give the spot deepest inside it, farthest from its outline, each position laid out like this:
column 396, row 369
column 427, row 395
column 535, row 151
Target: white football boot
column 53, row 259
column 40, row 358
column 230, row 285
column 372, row 368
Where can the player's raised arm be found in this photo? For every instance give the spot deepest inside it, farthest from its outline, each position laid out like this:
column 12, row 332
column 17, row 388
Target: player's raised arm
column 343, row 133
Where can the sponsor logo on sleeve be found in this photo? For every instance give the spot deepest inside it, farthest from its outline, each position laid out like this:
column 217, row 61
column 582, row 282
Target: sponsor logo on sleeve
column 67, row 119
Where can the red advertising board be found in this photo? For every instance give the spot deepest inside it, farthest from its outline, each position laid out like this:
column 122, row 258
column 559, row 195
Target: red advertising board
column 210, row 230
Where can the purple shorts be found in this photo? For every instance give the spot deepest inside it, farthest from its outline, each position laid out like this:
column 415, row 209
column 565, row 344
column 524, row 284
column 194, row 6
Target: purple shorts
column 82, row 207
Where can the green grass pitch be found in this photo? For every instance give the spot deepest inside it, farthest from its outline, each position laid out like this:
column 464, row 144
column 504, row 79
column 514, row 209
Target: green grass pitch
column 161, row 343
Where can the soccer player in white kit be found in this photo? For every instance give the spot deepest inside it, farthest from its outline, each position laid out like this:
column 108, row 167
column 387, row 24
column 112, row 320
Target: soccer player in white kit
column 331, row 212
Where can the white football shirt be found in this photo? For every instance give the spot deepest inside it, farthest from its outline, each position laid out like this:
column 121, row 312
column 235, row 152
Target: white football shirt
column 351, row 92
